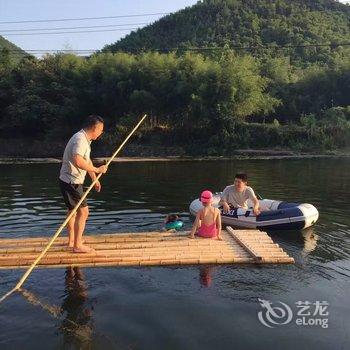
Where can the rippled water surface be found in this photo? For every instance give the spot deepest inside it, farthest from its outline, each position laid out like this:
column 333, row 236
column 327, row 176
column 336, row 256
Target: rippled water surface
column 188, row 307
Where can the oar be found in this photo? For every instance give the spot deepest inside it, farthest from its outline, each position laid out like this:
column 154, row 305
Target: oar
column 30, row 269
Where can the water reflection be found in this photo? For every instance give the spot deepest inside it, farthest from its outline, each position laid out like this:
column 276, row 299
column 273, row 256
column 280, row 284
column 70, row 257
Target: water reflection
column 206, row 275
column 310, row 241
column 75, row 315
column 76, row 309
column 77, row 326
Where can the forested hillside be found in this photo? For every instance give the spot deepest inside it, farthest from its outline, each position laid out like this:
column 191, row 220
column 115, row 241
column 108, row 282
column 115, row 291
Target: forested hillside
column 252, row 23
column 8, row 48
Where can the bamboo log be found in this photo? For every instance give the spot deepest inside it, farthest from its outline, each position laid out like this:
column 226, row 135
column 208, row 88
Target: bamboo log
column 134, row 253
column 104, row 237
column 156, row 263
column 108, row 239
column 120, row 253
column 139, row 258
column 236, row 250
column 106, row 249
column 131, row 260
column 100, row 248
column 187, row 245
column 149, row 240
column 92, row 241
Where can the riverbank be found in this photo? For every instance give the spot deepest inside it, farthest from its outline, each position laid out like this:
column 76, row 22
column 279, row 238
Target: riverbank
column 239, row 154
column 27, row 151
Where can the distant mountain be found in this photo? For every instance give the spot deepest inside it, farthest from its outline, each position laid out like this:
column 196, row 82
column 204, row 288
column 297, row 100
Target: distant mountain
column 298, row 23
column 15, row 52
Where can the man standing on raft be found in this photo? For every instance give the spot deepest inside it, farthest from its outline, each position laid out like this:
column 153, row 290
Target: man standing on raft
column 75, row 163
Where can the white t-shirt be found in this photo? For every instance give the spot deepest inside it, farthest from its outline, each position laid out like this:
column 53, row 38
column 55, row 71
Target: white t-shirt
column 237, row 199
column 78, row 144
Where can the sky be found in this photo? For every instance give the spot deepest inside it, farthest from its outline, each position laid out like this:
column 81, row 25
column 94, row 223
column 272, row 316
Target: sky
column 27, row 10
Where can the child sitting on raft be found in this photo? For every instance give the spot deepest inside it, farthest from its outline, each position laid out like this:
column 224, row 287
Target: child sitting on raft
column 208, row 219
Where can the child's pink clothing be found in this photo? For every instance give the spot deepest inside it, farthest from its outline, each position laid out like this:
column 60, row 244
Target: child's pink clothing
column 207, row 231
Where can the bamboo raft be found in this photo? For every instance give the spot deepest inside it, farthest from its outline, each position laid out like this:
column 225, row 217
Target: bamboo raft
column 149, row 248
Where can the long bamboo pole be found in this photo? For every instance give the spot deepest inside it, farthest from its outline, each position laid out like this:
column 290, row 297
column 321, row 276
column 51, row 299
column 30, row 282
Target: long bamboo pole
column 161, row 261
column 30, row 269
column 245, row 246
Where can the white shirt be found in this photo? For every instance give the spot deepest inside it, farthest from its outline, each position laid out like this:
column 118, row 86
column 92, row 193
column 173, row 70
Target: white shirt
column 78, row 144
column 238, row 199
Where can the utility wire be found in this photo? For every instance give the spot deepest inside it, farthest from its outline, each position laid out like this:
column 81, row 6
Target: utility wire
column 65, row 28
column 86, row 18
column 74, row 32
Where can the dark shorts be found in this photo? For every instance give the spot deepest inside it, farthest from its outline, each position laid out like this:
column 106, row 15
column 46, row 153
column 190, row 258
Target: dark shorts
column 72, row 194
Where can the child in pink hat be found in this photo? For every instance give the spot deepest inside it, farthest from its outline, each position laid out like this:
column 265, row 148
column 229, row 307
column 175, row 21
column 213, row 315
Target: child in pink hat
column 208, row 219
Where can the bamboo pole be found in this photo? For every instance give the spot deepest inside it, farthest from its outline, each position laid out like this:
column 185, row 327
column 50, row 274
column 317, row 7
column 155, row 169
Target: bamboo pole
column 107, row 236
column 27, row 273
column 224, row 260
column 152, row 244
column 130, row 244
column 92, row 239
column 242, row 243
column 53, row 310
column 104, row 247
column 114, row 252
column 138, row 257
column 133, row 260
column 256, row 236
column 59, row 245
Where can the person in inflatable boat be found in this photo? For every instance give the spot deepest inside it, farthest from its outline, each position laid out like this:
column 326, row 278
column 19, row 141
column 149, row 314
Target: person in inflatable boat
column 237, row 195
column 208, row 219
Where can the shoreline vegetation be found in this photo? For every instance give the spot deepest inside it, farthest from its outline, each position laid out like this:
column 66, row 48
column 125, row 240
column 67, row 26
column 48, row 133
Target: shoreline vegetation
column 249, row 154
column 26, row 151
column 196, row 104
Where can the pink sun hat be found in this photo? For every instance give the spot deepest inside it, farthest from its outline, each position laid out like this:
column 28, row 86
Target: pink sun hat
column 206, row 196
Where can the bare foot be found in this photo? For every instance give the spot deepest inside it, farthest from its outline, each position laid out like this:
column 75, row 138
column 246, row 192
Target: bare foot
column 83, row 249
column 71, row 244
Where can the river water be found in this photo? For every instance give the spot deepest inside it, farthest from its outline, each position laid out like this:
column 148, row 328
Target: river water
column 187, row 307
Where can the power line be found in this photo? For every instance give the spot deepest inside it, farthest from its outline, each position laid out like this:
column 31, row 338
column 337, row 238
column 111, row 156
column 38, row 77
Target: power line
column 52, row 50
column 86, row 18
column 65, row 28
column 74, row 32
